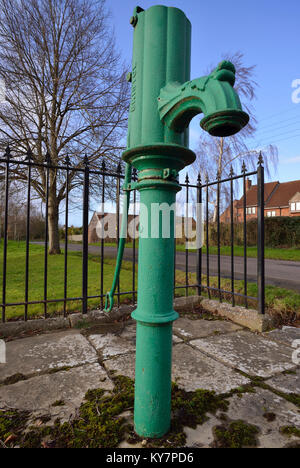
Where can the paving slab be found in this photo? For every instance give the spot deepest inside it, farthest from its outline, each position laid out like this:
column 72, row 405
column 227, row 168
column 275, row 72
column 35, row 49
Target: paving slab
column 110, row 345
column 248, row 352
column 253, row 406
column 122, row 365
column 286, row 383
column 287, row 335
column 193, row 369
column 43, row 353
column 202, row 436
column 38, row 394
column 191, row 329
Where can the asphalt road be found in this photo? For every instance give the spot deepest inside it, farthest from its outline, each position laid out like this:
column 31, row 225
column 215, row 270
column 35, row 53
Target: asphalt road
column 285, row 274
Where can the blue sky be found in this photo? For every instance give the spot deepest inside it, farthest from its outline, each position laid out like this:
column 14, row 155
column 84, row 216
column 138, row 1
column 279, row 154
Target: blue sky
column 268, row 33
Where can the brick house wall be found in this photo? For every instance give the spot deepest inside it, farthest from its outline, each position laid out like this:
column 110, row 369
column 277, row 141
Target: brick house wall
column 281, row 199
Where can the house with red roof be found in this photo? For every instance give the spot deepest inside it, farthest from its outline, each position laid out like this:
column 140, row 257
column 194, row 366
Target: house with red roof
column 281, row 199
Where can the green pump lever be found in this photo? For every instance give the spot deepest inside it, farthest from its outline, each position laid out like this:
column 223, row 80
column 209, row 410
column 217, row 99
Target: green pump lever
column 109, row 301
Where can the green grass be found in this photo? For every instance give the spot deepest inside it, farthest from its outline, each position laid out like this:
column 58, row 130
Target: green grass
column 274, row 254
column 16, row 279
column 281, row 301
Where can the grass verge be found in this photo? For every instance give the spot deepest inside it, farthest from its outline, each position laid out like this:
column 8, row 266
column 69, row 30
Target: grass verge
column 282, row 302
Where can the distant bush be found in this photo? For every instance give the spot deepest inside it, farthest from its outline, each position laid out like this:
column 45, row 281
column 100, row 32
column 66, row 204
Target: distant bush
column 279, row 232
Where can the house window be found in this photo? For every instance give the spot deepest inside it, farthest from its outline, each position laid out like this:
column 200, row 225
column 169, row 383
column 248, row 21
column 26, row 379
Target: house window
column 250, row 211
column 295, row 206
column 271, row 214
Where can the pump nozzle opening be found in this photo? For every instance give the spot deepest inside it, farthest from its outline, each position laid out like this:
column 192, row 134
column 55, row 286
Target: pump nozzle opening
column 225, row 123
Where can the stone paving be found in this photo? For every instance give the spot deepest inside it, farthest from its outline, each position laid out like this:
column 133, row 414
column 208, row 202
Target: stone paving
column 209, row 354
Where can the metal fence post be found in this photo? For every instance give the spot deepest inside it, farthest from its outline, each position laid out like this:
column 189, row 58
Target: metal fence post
column 28, row 210
column 48, row 162
column 119, row 172
column 187, row 181
column 207, row 239
column 199, row 251
column 219, row 233
column 67, row 162
column 85, row 244
column 261, row 236
column 244, row 171
column 103, row 169
column 7, row 158
column 232, row 235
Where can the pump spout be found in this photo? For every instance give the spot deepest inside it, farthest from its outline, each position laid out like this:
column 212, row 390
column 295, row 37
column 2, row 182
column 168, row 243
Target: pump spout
column 212, row 95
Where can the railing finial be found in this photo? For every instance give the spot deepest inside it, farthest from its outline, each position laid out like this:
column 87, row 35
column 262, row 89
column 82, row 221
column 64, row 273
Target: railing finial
column 260, row 159
column 29, row 154
column 48, row 158
column 7, row 152
column 86, row 161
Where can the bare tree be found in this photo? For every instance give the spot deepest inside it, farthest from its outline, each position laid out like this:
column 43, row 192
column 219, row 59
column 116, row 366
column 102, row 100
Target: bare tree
column 66, row 93
column 216, row 156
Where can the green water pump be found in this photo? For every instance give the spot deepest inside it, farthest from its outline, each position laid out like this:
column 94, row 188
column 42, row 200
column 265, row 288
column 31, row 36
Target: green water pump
column 163, row 102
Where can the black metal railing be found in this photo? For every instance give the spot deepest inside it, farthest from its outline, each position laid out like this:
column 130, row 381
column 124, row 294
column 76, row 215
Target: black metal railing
column 203, row 189
column 8, row 166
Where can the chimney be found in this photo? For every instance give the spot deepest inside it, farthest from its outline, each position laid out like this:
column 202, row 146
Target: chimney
column 248, row 184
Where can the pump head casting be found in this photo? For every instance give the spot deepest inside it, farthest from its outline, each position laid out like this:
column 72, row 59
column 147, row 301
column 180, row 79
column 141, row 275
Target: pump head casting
column 212, row 95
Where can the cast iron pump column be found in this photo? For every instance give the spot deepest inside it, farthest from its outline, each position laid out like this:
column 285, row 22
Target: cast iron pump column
column 163, row 102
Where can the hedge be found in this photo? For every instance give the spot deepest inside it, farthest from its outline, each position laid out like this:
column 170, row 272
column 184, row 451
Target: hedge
column 281, row 232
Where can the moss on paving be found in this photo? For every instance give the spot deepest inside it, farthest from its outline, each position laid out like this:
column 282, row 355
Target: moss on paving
column 100, row 424
column 196, row 312
column 236, row 434
column 259, row 382
column 58, row 403
column 14, row 379
column 270, row 417
column 189, row 409
column 290, row 431
column 59, row 369
column 12, row 424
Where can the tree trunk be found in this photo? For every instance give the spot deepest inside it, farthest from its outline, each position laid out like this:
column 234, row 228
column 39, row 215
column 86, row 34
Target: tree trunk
column 53, row 229
column 215, row 212
column 53, row 218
